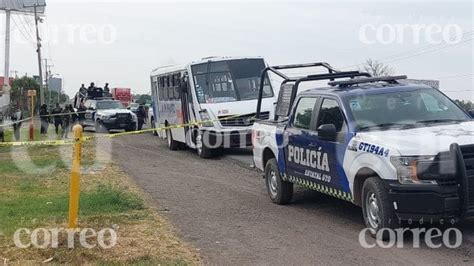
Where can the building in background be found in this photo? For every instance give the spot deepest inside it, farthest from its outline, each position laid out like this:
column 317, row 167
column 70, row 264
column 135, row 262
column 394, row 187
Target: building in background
column 55, row 84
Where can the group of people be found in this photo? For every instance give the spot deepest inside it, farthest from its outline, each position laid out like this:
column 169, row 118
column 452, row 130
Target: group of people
column 62, row 119
column 93, row 92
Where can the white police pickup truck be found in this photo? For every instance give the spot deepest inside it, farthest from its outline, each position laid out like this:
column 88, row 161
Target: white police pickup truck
column 401, row 152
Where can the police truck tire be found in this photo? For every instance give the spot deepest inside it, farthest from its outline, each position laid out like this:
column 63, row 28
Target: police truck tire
column 100, row 128
column 280, row 192
column 377, row 209
column 172, row 144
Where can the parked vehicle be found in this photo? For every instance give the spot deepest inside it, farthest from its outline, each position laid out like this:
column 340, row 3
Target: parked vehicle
column 124, row 95
column 219, row 93
column 400, row 151
column 107, row 114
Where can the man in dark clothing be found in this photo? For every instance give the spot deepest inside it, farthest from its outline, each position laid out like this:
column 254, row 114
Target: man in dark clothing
column 90, row 91
column 67, row 120
column 58, row 120
column 141, row 116
column 81, row 113
column 44, row 115
column 17, row 115
column 83, row 91
column 107, row 91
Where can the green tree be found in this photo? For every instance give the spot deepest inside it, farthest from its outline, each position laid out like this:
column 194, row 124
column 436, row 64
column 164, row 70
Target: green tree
column 19, row 92
column 466, row 105
column 144, row 99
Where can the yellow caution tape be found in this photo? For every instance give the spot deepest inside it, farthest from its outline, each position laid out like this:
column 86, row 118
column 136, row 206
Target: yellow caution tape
column 84, row 139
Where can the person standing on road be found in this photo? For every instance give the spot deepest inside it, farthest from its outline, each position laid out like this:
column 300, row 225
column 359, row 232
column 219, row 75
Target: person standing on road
column 67, row 119
column 81, row 113
column 17, row 115
column 44, row 115
column 58, row 120
column 141, row 116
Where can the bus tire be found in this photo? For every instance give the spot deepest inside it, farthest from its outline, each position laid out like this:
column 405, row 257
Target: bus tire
column 377, row 209
column 172, row 144
column 280, row 192
column 203, row 151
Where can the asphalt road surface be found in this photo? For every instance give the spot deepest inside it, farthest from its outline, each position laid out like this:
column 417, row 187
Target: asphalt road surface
column 221, row 207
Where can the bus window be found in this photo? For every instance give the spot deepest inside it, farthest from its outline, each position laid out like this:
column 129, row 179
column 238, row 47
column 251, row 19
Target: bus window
column 228, row 81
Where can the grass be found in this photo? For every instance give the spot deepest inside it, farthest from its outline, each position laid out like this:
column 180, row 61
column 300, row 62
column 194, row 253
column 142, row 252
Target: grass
column 32, row 198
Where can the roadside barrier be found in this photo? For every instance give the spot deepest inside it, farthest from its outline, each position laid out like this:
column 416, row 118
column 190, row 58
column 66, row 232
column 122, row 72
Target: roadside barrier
column 77, row 142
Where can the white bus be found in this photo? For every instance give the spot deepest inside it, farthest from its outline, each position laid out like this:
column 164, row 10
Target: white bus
column 223, row 90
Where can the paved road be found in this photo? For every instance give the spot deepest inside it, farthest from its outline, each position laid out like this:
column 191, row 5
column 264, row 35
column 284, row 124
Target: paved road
column 221, row 207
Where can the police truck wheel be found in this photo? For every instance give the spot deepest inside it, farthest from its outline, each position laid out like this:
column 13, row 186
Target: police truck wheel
column 99, row 127
column 281, row 192
column 203, row 151
column 376, row 207
column 172, row 144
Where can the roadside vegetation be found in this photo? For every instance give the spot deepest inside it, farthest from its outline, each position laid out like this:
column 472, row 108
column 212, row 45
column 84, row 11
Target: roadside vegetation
column 39, row 199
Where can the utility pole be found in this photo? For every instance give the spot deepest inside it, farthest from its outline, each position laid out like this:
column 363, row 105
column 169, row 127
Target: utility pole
column 38, row 39
column 48, row 76
column 5, row 96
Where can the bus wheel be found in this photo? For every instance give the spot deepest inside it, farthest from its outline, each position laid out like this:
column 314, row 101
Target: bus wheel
column 203, row 151
column 172, row 144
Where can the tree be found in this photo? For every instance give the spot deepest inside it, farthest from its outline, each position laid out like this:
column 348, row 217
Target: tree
column 466, row 105
column 143, row 99
column 377, row 68
column 19, row 91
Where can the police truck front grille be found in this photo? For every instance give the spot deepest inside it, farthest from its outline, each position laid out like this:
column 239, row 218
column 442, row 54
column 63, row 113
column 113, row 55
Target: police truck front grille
column 468, row 157
column 123, row 117
column 242, row 121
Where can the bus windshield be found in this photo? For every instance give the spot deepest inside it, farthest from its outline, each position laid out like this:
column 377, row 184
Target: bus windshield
column 230, row 81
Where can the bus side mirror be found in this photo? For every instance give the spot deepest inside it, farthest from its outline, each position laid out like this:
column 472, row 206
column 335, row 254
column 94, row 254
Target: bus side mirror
column 327, row 132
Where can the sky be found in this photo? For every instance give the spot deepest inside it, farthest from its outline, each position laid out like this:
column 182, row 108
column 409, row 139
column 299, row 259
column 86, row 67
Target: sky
column 121, row 42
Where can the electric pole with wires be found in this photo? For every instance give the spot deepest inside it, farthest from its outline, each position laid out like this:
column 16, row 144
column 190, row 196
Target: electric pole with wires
column 38, row 51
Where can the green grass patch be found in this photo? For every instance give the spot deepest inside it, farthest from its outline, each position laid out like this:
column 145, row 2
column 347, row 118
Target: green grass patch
column 32, row 207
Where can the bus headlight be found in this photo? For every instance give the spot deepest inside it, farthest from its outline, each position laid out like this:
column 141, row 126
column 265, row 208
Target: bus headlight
column 407, row 170
column 206, row 119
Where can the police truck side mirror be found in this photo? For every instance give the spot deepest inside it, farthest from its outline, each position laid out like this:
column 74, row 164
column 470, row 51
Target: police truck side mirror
column 327, row 132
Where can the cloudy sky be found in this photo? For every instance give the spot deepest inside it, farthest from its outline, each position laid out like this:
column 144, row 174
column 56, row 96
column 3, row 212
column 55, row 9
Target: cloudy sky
column 120, row 42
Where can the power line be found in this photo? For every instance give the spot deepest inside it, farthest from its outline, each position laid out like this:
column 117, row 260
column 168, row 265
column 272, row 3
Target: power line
column 427, row 52
column 27, row 35
column 419, row 51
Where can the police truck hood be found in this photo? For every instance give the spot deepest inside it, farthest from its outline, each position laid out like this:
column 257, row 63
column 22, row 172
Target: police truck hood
column 113, row 111
column 429, row 140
